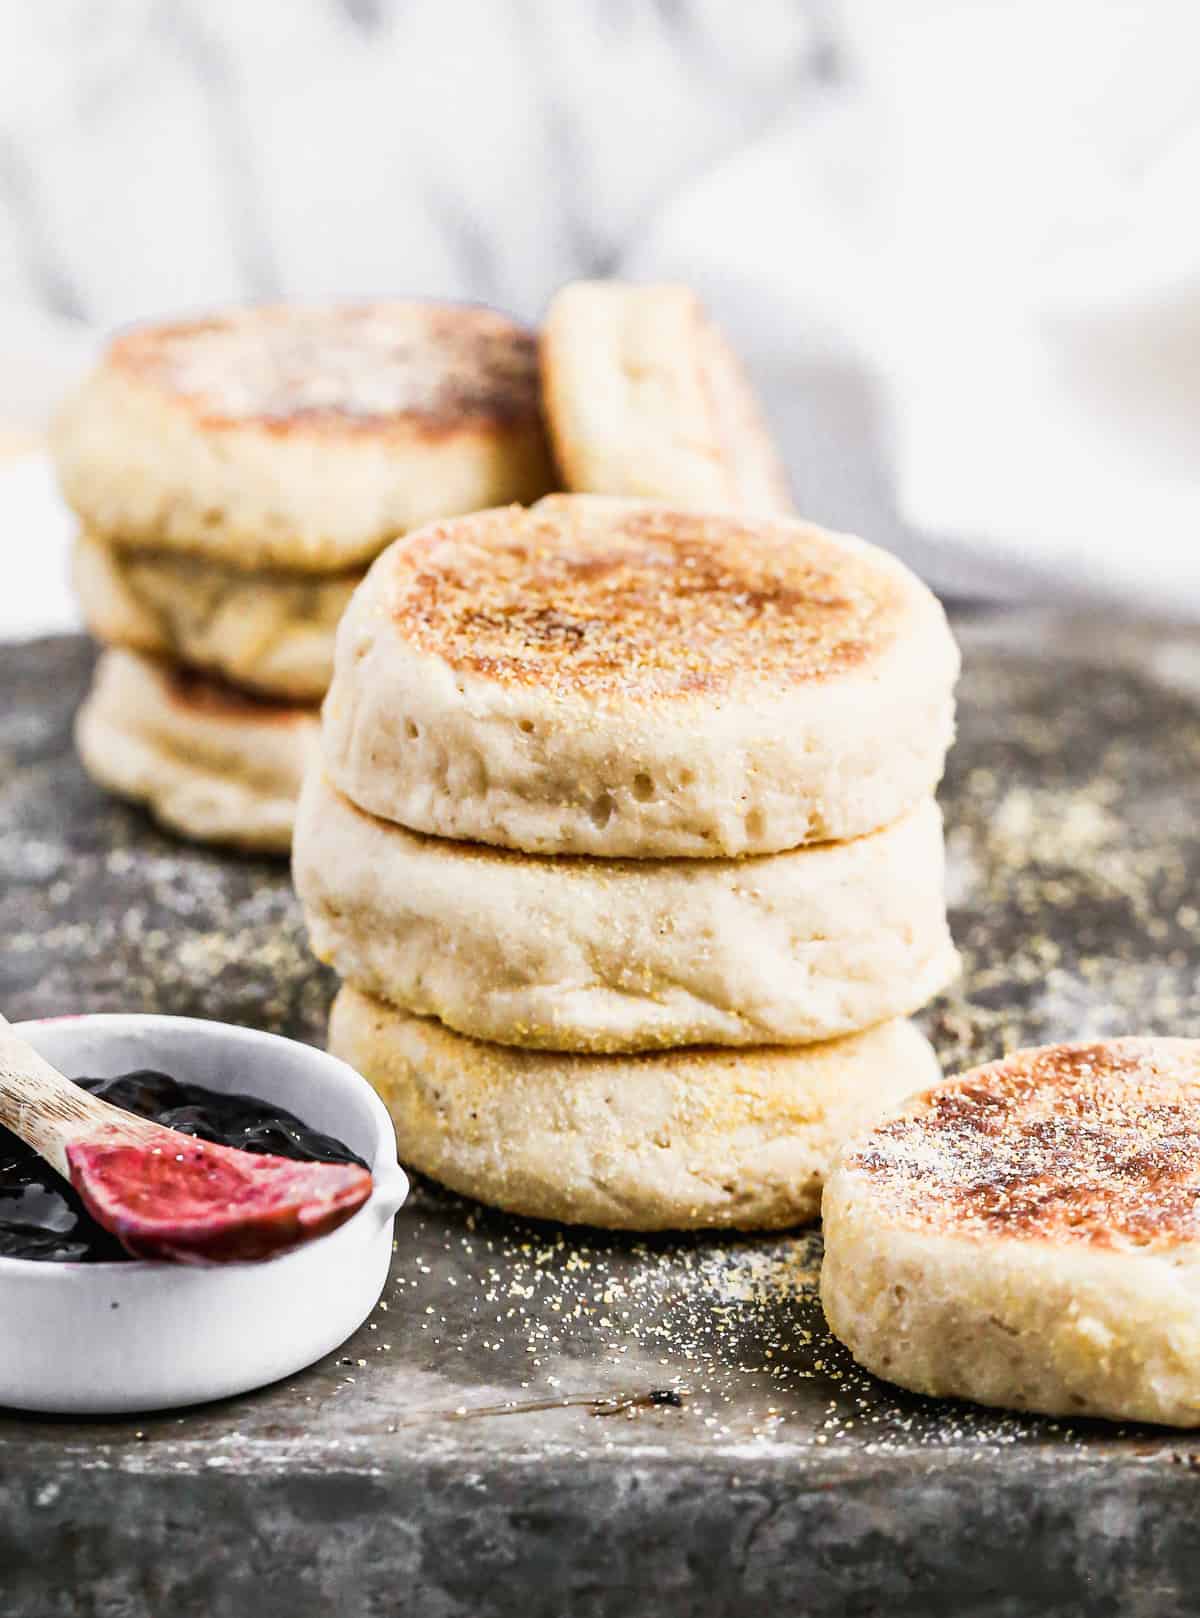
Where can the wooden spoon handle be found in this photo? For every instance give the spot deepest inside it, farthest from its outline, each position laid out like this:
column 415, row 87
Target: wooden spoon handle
column 42, row 1107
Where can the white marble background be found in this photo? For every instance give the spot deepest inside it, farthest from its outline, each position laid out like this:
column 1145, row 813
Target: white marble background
column 957, row 240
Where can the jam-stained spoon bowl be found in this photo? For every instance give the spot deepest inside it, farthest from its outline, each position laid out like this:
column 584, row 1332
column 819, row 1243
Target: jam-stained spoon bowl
column 105, row 1338
column 163, row 1194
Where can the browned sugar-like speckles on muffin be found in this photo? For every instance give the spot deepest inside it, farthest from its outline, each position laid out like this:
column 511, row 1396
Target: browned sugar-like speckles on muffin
column 207, row 696
column 434, row 367
column 1095, row 1143
column 621, row 599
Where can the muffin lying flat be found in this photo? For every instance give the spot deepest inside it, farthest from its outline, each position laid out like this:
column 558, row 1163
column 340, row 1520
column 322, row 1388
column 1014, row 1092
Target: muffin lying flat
column 1029, row 1235
column 619, row 955
column 272, row 632
column 676, row 1140
column 597, row 676
column 303, row 437
column 211, row 762
column 233, row 476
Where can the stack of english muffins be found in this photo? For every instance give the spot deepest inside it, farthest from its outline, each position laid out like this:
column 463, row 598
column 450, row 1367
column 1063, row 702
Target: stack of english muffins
column 623, row 839
column 233, row 477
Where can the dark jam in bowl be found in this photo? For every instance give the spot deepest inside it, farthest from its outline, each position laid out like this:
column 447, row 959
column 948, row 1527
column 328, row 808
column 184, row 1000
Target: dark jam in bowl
column 42, row 1218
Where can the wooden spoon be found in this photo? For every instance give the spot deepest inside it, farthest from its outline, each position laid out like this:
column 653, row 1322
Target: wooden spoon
column 161, row 1193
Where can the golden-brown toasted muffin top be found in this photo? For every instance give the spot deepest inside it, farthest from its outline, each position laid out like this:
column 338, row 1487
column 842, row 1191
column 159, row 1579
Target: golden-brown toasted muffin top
column 621, row 599
column 340, row 369
column 208, row 696
column 1096, row 1144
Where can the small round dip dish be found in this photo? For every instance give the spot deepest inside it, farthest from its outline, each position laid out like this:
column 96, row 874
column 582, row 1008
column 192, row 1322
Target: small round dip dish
column 108, row 1338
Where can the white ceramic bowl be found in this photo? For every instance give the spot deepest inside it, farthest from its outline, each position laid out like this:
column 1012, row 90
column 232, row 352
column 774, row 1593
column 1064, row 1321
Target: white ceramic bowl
column 94, row 1339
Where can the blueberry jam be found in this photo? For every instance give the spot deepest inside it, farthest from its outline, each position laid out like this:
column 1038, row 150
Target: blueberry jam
column 41, row 1217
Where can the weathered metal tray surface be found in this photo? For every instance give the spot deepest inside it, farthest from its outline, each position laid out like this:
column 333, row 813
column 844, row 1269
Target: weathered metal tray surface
column 543, row 1422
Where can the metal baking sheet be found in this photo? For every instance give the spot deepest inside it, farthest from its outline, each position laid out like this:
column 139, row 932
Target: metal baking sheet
column 538, row 1421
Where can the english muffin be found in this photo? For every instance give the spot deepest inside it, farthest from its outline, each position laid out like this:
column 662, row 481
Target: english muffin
column 270, row 632
column 676, row 1140
column 598, row 676
column 579, row 954
column 303, row 437
column 1029, row 1235
column 645, row 397
column 207, row 760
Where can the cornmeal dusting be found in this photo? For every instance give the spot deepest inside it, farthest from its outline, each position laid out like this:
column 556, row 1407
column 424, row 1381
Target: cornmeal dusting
column 637, row 600
column 432, row 365
column 1095, row 1143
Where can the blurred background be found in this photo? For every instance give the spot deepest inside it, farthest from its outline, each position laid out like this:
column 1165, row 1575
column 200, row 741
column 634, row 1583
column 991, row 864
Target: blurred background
column 957, row 241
